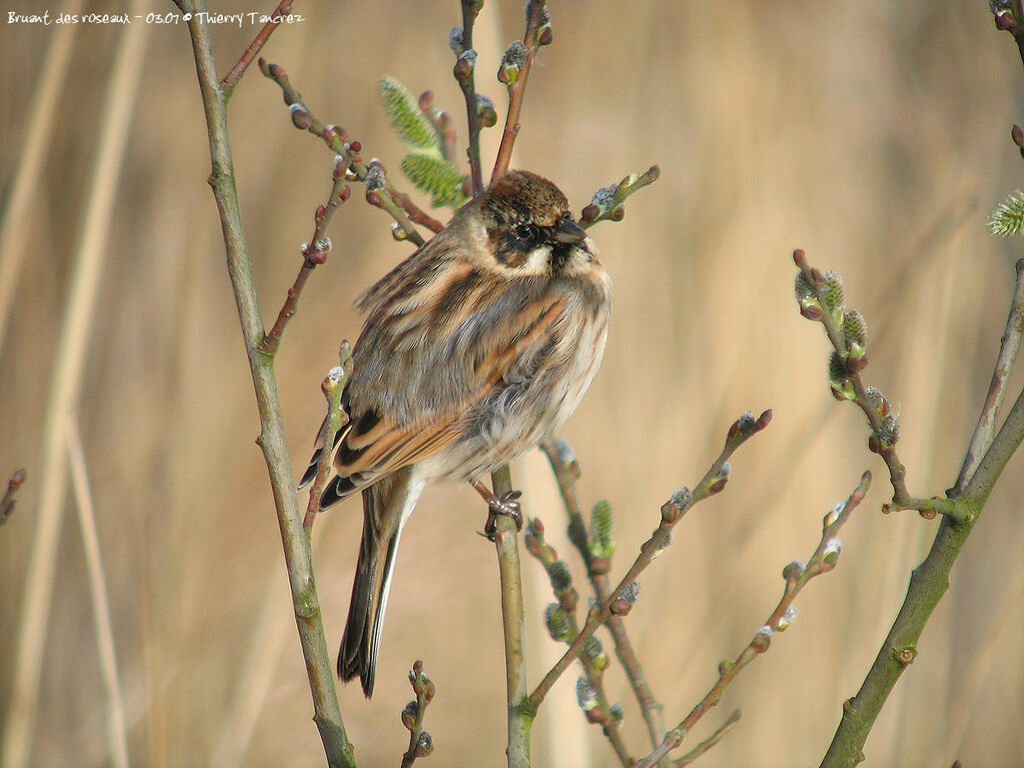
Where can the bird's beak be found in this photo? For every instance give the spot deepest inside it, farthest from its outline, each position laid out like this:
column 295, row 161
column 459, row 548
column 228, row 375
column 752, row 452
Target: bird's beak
column 568, row 231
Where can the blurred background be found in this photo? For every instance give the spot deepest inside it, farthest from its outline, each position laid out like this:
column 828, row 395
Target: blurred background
column 874, row 135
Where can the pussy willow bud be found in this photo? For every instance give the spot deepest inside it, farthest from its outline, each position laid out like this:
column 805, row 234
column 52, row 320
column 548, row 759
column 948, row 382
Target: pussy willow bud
column 856, row 330
column 485, row 108
column 803, row 288
column 586, row 696
column 594, row 653
column 409, row 715
column 557, row 622
column 762, row 639
column 398, row 232
column 834, row 513
column 301, row 118
column 511, row 63
column 676, row 505
column 794, row 570
column 889, row 432
column 544, row 33
column 833, row 293
column 616, row 712
column 424, row 744
column 375, row 179
column 832, row 549
column 877, row 400
column 602, row 526
column 455, row 41
column 787, row 618
column 626, row 599
column 839, row 378
column 561, row 578
column 464, row 65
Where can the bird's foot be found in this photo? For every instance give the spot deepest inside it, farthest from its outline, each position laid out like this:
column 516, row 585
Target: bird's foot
column 507, row 505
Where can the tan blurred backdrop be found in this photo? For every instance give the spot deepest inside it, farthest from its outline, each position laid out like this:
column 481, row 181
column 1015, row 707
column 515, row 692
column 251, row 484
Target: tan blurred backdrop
column 875, row 135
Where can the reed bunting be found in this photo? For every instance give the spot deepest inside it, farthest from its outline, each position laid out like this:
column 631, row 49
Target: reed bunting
column 474, row 349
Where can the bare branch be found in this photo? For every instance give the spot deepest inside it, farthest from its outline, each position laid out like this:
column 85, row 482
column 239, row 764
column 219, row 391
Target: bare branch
column 514, row 71
column 272, row 441
column 401, row 208
column 8, row 500
column 506, row 544
column 313, row 253
column 284, row 8
column 567, row 471
column 420, row 742
column 671, row 513
column 796, row 575
column 1009, row 344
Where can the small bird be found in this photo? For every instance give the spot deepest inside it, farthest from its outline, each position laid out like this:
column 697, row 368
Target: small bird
column 474, row 349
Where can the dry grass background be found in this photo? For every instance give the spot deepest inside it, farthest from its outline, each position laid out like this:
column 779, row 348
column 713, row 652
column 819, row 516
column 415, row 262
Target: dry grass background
column 873, row 134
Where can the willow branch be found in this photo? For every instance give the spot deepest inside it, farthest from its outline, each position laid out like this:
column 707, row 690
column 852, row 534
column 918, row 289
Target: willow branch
column 672, row 512
column 420, row 742
column 797, row 575
column 567, row 472
column 514, row 72
column 1009, row 345
column 563, row 626
column 314, row 252
column 284, row 8
column 820, row 308
column 928, row 583
column 380, row 191
column 506, row 544
column 464, row 72
column 333, row 387
column 272, row 440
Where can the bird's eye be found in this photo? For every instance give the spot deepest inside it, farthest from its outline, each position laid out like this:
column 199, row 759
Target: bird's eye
column 525, row 232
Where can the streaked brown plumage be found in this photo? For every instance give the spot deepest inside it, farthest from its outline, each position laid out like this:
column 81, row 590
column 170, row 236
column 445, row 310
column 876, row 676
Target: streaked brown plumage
column 474, row 349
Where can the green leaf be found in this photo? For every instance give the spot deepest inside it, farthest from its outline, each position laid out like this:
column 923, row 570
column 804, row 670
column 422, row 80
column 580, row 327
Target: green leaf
column 406, row 117
column 1007, row 219
column 435, row 176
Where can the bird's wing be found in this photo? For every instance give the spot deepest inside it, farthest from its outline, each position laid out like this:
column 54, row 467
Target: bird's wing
column 410, row 402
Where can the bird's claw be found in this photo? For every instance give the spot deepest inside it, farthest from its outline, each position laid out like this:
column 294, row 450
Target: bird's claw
column 508, row 506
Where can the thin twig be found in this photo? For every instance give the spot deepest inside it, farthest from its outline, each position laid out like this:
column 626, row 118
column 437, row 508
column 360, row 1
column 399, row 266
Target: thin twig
column 314, row 252
column 797, row 575
column 100, row 600
column 1012, row 20
column 671, row 513
column 928, row 583
column 598, row 711
column 608, row 203
column 506, row 543
column 517, row 86
column 333, row 387
column 710, row 741
column 1009, row 344
column 420, row 742
column 8, row 501
column 272, row 440
column 401, row 208
column 284, row 8
column 832, row 319
column 567, row 471
column 465, row 74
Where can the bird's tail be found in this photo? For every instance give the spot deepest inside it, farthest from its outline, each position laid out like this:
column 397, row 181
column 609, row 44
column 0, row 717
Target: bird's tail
column 386, row 506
